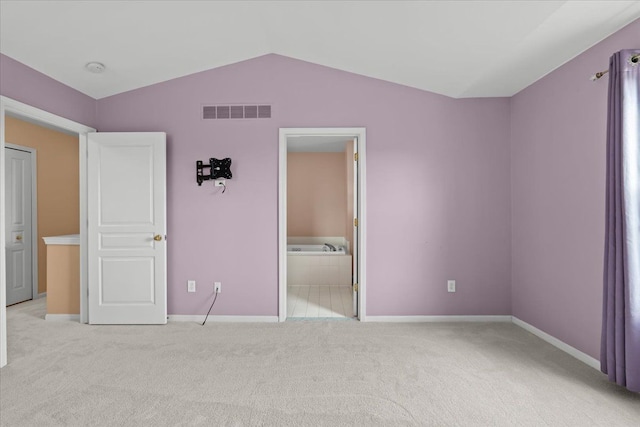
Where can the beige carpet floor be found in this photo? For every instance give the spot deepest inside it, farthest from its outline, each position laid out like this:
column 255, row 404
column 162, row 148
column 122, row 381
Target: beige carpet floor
column 300, row 373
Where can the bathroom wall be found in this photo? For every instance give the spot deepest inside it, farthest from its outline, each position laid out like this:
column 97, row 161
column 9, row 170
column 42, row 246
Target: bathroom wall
column 438, row 185
column 558, row 134
column 316, row 194
column 57, row 183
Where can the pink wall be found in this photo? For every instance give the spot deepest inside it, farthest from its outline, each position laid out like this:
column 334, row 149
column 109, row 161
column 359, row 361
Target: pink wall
column 24, row 84
column 438, row 185
column 558, row 128
column 316, row 194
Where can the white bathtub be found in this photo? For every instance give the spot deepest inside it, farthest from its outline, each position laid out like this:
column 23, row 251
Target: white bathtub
column 314, row 250
column 315, row 265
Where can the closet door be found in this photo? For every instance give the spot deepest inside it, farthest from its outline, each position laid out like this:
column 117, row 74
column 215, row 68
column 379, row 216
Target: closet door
column 18, row 191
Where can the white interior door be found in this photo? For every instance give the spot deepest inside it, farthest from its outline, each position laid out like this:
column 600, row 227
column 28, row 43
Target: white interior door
column 18, row 188
column 127, row 228
column 354, row 249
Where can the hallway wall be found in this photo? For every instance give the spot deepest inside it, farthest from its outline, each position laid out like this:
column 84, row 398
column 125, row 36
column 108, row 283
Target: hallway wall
column 58, row 185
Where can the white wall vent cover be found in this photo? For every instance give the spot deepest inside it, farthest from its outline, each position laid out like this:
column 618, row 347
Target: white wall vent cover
column 236, row 112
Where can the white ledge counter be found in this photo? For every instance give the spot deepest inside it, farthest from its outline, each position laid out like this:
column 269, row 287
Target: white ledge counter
column 67, row 239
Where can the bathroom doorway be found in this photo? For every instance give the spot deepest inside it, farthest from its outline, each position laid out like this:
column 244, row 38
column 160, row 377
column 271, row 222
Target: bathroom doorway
column 321, row 223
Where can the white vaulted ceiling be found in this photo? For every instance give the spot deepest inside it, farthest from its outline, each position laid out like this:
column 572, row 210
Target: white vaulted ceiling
column 455, row 48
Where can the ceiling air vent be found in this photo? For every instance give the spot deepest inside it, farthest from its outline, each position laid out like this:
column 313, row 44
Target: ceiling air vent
column 236, row 112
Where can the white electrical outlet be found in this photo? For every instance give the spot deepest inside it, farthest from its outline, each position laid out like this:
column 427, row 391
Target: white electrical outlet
column 217, row 287
column 219, row 182
column 451, row 285
column 191, row 285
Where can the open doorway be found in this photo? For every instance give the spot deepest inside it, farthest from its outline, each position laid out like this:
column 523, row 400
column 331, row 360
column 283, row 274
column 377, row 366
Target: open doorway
column 321, row 223
column 27, row 113
column 42, row 204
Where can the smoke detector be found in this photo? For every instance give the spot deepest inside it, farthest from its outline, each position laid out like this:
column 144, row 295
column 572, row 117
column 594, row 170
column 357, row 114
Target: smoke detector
column 95, row 67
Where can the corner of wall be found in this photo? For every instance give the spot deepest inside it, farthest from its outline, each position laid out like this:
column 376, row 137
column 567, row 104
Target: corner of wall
column 29, row 86
column 510, row 145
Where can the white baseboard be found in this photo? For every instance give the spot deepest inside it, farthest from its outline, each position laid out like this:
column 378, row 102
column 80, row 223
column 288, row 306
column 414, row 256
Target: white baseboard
column 62, row 317
column 583, row 357
column 438, row 319
column 228, row 319
column 42, row 295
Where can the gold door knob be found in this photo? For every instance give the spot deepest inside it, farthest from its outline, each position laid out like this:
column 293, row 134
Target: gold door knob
column 18, row 237
column 157, row 237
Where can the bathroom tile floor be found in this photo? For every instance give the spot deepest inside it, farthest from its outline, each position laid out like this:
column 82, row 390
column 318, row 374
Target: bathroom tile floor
column 319, row 301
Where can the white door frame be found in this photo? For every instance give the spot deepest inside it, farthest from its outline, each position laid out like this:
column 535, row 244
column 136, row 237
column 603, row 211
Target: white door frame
column 360, row 133
column 34, row 217
column 35, row 115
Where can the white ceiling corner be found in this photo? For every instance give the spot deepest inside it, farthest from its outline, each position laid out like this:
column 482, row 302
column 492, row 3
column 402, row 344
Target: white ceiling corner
column 455, row 48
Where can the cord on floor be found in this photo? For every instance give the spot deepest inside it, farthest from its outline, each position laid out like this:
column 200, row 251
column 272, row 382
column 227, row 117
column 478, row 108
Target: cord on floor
column 214, row 301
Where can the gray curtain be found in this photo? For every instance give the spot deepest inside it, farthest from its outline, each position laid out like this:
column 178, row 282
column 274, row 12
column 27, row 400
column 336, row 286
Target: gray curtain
column 620, row 354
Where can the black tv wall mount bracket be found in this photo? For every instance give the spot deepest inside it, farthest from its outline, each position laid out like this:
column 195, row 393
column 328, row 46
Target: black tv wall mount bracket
column 216, row 169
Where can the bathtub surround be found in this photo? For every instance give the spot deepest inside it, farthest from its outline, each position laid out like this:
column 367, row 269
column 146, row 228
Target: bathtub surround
column 310, row 240
column 313, row 265
column 470, row 168
column 322, row 249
